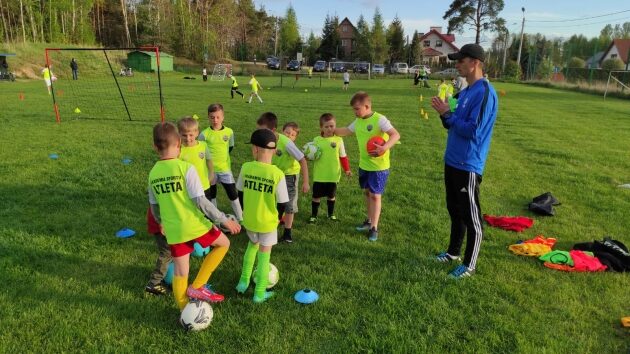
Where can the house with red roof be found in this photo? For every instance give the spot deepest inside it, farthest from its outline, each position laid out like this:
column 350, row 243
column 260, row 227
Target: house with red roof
column 346, row 32
column 618, row 49
column 435, row 46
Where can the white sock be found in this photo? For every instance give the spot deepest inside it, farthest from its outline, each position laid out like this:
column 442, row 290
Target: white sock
column 250, row 99
column 238, row 211
column 260, row 99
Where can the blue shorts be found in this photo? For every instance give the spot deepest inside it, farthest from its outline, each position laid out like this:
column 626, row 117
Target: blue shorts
column 374, row 181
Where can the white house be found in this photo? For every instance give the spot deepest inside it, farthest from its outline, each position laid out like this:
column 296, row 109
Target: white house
column 618, row 49
column 436, row 45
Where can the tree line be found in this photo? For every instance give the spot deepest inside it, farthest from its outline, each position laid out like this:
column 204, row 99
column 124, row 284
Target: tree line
column 541, row 55
column 203, row 29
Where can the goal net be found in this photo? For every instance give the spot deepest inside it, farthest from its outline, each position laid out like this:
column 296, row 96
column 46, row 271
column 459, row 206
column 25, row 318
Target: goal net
column 220, row 71
column 300, row 80
column 618, row 81
column 357, row 70
column 106, row 83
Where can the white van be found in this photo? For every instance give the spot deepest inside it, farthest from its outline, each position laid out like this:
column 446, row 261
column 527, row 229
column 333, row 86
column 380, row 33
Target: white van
column 400, row 68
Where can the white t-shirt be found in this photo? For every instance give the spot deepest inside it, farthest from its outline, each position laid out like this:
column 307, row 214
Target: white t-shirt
column 204, row 72
column 346, row 77
column 383, row 123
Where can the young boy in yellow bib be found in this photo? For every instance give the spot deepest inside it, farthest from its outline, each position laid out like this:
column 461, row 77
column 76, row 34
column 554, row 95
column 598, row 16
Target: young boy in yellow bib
column 374, row 166
column 196, row 152
column 178, row 204
column 292, row 162
column 327, row 169
column 263, row 189
column 220, row 140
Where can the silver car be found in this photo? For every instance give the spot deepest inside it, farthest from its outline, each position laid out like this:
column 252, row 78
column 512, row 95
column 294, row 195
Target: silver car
column 378, row 69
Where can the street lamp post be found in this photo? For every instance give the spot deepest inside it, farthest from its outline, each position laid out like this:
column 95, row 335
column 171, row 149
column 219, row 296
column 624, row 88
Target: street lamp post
column 520, row 46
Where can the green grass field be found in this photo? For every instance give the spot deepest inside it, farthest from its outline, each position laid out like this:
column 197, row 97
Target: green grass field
column 69, row 285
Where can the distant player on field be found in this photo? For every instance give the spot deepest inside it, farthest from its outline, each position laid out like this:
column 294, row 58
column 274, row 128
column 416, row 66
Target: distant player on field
column 255, row 86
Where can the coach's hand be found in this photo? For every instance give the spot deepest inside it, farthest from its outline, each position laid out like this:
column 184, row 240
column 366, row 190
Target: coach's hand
column 305, row 188
column 232, row 225
column 440, row 106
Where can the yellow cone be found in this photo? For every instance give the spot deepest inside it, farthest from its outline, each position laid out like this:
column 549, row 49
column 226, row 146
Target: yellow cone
column 77, row 110
column 426, row 115
column 421, row 98
column 421, row 111
column 195, row 116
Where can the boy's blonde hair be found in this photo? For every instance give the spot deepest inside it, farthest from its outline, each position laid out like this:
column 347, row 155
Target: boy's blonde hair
column 326, row 117
column 360, row 97
column 187, row 124
column 165, row 135
column 292, row 125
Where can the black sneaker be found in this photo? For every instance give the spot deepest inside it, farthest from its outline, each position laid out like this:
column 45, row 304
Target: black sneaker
column 157, row 289
column 365, row 226
column 373, row 235
column 287, row 239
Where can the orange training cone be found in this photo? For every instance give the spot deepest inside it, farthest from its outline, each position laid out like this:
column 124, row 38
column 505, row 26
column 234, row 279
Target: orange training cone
column 21, row 96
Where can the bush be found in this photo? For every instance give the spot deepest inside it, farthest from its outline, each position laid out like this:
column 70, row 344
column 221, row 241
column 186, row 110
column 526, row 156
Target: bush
column 612, row 64
column 545, row 69
column 512, row 71
column 576, row 62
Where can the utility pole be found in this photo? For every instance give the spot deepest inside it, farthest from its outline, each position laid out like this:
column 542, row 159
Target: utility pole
column 275, row 42
column 520, row 45
column 505, row 46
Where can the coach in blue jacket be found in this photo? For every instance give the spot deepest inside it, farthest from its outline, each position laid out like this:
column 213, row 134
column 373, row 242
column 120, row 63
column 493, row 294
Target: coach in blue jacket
column 469, row 132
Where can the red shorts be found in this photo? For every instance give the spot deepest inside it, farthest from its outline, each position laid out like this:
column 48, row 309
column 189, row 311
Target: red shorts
column 205, row 240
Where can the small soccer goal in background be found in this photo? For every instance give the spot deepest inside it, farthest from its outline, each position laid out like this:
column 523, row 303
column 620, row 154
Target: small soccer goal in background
column 300, row 80
column 618, row 81
column 110, row 83
column 220, row 71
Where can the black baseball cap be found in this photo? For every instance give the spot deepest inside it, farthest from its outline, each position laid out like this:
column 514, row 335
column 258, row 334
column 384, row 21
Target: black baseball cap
column 474, row 51
column 263, row 138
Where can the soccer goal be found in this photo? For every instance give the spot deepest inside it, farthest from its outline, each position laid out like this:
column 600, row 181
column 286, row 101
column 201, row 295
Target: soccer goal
column 220, row 71
column 300, row 80
column 108, row 83
column 618, row 81
column 359, row 70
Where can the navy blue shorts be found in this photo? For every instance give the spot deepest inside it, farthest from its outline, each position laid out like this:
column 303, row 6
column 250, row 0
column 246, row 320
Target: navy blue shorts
column 374, row 181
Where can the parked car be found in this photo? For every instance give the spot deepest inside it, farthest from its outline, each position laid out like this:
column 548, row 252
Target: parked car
column 378, row 69
column 414, row 69
column 272, row 58
column 400, row 68
column 361, row 67
column 338, row 67
column 447, row 73
column 273, row 64
column 294, row 65
column 319, row 66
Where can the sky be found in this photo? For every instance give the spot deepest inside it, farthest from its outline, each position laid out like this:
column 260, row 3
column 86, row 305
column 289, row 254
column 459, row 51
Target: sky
column 420, row 15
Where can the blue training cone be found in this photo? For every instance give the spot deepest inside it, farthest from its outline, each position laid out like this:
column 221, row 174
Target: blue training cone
column 125, row 233
column 126, row 160
column 306, row 296
column 53, row 156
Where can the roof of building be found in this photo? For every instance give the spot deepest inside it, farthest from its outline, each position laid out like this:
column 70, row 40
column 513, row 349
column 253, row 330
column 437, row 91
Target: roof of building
column 151, row 54
column 448, row 38
column 594, row 60
column 623, row 46
column 430, row 52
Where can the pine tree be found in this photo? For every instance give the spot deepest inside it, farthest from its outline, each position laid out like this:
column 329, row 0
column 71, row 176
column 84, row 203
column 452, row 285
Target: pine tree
column 363, row 49
column 396, row 41
column 378, row 40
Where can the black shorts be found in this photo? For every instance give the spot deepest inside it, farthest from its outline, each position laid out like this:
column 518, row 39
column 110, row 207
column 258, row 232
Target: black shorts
column 324, row 189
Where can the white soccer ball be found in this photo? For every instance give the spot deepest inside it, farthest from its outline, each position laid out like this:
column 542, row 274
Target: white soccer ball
column 230, row 217
column 274, row 276
column 312, row 151
column 196, row 316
